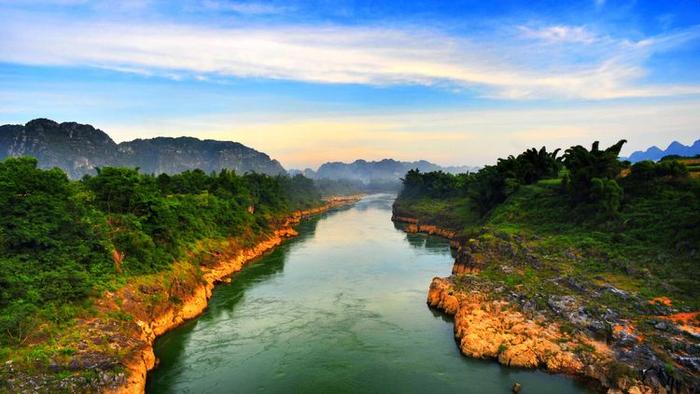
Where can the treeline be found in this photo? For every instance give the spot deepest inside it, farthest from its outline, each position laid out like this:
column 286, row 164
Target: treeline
column 61, row 240
column 344, row 187
column 591, row 178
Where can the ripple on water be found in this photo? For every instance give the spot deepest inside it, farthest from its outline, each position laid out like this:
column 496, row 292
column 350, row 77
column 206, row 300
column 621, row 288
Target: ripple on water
column 339, row 309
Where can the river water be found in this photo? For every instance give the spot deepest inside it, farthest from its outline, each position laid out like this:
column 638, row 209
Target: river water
column 341, row 308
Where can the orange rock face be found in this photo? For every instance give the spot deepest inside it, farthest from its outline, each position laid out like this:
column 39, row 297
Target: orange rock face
column 492, row 329
column 414, row 226
column 151, row 324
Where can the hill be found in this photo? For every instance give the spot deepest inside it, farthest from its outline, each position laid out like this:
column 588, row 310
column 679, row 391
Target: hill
column 78, row 149
column 593, row 264
column 675, row 148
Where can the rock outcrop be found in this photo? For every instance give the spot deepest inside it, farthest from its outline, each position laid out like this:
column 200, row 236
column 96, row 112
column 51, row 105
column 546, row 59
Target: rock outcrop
column 79, row 149
column 566, row 326
column 487, row 328
column 492, row 328
column 413, row 225
column 561, row 333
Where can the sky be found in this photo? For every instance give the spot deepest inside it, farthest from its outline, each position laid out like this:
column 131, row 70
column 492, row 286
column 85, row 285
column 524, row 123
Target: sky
column 309, row 81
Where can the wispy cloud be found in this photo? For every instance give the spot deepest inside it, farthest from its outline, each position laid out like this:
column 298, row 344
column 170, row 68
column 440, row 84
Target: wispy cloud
column 250, row 8
column 586, row 67
column 560, row 33
column 473, row 137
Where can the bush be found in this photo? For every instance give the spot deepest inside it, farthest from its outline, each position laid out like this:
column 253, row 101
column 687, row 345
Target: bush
column 647, row 170
column 607, row 194
column 17, row 322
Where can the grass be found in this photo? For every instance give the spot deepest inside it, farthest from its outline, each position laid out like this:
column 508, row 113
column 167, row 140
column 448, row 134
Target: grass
column 455, row 213
column 652, row 248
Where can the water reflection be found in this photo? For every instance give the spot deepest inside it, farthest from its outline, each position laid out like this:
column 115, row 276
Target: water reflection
column 341, row 308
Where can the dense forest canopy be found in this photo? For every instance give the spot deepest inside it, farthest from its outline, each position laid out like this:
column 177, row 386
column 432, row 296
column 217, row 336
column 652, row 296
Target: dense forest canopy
column 592, row 179
column 62, row 240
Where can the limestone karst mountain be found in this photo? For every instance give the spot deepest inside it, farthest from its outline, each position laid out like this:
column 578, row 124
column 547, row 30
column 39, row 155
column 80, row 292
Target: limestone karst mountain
column 675, row 148
column 79, row 148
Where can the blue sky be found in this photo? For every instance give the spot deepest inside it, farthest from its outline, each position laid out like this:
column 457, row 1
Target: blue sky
column 455, row 82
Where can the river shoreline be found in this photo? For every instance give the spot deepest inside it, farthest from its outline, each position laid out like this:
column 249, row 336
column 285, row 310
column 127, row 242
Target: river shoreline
column 490, row 324
column 143, row 359
column 338, row 309
column 111, row 350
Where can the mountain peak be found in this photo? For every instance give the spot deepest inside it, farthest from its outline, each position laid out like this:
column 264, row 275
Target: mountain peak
column 674, row 148
column 384, row 170
column 79, row 148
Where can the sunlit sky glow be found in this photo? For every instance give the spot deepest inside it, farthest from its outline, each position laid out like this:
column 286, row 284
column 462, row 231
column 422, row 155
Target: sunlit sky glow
column 458, row 82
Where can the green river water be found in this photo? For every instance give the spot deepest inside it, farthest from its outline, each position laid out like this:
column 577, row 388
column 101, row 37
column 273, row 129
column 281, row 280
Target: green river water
column 341, row 308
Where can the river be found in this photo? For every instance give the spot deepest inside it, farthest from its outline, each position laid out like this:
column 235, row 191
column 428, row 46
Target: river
column 341, row 308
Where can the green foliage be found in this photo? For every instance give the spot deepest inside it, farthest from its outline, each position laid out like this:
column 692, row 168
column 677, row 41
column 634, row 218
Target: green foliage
column 489, row 186
column 299, row 191
column 62, row 240
column 530, row 166
column 648, row 170
column 584, row 165
column 436, row 184
column 17, row 321
column 638, row 228
column 607, row 194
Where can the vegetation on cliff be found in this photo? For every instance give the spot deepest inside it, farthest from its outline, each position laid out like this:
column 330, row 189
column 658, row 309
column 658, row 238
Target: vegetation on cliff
column 63, row 243
column 606, row 249
column 79, row 149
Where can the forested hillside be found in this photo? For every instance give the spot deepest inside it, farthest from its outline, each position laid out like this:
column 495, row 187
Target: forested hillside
column 64, row 242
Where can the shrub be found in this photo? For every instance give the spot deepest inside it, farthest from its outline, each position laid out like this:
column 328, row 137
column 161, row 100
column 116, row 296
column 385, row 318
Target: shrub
column 607, row 194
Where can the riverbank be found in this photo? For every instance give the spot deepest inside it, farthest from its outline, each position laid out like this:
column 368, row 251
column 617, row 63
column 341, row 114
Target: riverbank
column 169, row 316
column 333, row 311
column 112, row 351
column 529, row 299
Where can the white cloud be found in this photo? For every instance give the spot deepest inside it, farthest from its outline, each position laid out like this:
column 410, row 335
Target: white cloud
column 250, row 8
column 504, row 67
column 560, row 33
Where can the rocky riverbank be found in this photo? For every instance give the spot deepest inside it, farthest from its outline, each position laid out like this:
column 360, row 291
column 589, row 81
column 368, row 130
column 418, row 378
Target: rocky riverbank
column 153, row 325
column 413, row 225
column 114, row 351
column 513, row 303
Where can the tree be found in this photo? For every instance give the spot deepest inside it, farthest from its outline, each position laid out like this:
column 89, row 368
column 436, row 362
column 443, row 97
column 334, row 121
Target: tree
column 488, row 188
column 584, row 165
column 116, row 190
column 607, row 194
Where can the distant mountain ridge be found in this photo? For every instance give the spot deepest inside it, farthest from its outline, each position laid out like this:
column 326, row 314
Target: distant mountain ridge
column 387, row 170
column 79, row 148
column 675, row 148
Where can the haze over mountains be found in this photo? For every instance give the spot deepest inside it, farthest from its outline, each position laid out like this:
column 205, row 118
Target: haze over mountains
column 387, row 170
column 675, row 148
column 78, row 149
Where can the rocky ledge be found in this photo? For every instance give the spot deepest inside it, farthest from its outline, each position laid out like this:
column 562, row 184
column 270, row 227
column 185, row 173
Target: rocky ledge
column 412, row 225
column 584, row 330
